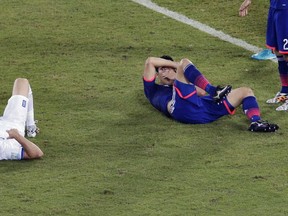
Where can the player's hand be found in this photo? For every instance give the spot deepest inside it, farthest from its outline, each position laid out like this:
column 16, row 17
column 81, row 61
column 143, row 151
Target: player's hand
column 12, row 133
column 243, row 10
column 170, row 75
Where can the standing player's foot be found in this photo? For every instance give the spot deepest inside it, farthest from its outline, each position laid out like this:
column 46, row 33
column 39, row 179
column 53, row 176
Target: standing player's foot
column 265, row 54
column 263, row 126
column 222, row 92
column 279, row 97
column 283, row 107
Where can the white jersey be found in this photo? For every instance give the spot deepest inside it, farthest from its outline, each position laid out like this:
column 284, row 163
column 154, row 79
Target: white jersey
column 14, row 117
column 10, row 149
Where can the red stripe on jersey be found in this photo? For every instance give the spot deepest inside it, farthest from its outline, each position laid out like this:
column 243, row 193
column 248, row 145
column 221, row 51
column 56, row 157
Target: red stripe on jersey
column 149, row 80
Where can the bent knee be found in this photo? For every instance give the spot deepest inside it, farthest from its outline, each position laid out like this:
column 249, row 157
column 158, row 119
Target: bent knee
column 22, row 81
column 184, row 62
column 246, row 91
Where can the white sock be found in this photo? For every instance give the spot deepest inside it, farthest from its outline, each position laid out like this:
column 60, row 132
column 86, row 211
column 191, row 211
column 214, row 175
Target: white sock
column 30, row 114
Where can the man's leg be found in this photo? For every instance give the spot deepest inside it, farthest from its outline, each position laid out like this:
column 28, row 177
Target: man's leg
column 188, row 73
column 30, row 114
column 31, row 128
column 22, row 87
column 283, row 94
column 283, row 72
column 276, row 37
column 245, row 96
column 31, row 151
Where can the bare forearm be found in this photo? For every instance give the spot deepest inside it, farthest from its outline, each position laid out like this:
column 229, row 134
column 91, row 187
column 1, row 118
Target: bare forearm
column 31, row 150
column 160, row 62
column 153, row 62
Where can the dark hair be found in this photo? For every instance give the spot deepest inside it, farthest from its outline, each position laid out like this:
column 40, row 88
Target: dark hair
column 167, row 57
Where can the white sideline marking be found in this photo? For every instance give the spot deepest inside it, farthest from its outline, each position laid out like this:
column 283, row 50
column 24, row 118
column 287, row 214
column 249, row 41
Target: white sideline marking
column 198, row 25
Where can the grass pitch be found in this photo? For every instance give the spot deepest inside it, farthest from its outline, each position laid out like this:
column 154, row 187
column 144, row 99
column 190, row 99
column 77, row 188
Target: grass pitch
column 107, row 151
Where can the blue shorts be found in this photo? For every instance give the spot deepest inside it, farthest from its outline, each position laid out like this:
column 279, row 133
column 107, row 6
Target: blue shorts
column 188, row 107
column 277, row 30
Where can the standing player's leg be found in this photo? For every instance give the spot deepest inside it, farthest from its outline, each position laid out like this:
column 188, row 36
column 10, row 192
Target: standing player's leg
column 283, row 70
column 282, row 95
column 277, row 40
column 282, row 53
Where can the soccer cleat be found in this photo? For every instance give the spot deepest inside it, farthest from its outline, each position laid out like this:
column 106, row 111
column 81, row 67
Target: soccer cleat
column 279, row 97
column 32, row 130
column 265, row 54
column 262, row 126
column 283, row 107
column 222, row 92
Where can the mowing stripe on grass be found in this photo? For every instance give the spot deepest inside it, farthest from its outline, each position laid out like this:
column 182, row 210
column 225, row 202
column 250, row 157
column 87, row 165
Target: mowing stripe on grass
column 198, row 25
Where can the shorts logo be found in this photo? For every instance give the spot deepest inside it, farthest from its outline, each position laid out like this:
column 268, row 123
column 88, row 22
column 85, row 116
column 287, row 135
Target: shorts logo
column 24, row 103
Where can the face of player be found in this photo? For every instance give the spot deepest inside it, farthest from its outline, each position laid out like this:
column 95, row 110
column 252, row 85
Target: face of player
column 166, row 75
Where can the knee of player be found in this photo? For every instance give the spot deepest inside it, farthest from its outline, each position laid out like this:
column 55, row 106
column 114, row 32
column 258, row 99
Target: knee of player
column 22, row 81
column 247, row 91
column 184, row 62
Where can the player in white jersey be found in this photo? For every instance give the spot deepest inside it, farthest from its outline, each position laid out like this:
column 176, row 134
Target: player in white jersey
column 18, row 120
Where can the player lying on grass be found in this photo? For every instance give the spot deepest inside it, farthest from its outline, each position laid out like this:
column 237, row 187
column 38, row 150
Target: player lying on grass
column 18, row 119
column 182, row 95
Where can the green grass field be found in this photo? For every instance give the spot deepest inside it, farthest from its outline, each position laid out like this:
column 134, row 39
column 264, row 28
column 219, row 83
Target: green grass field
column 107, row 151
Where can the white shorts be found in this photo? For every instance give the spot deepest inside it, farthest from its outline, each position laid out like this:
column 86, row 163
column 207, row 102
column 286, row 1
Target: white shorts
column 16, row 109
column 14, row 116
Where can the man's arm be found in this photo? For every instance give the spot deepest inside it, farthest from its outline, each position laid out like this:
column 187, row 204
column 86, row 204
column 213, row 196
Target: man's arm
column 152, row 63
column 243, row 10
column 31, row 151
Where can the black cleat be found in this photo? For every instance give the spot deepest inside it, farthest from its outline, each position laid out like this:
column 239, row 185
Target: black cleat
column 221, row 92
column 263, row 126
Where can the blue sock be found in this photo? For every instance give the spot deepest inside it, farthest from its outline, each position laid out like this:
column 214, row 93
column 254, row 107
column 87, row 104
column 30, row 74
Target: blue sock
column 283, row 72
column 197, row 78
column 251, row 108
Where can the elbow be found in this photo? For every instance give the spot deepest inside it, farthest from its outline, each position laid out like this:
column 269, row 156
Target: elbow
column 36, row 155
column 40, row 154
column 151, row 61
column 148, row 61
column 149, row 64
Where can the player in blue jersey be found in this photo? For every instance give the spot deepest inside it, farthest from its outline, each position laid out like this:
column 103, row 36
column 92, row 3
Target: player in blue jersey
column 179, row 90
column 276, row 40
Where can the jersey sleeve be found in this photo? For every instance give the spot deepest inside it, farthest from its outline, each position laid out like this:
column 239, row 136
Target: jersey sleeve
column 158, row 95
